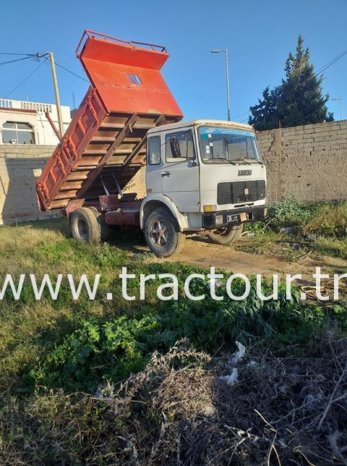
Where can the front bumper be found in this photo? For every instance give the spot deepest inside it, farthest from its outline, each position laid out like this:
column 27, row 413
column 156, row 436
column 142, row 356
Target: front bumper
column 233, row 217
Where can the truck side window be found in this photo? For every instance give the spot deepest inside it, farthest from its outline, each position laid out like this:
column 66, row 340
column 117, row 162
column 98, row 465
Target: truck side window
column 153, row 150
column 178, row 146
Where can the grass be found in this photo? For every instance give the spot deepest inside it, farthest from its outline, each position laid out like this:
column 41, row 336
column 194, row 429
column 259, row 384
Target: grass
column 321, row 229
column 329, row 221
column 77, row 345
column 331, row 247
column 56, row 355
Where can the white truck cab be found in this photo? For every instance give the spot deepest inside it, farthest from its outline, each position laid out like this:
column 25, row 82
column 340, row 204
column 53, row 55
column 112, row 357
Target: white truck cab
column 208, row 177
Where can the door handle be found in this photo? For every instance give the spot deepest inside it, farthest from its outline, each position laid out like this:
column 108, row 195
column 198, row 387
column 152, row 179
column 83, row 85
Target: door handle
column 165, row 173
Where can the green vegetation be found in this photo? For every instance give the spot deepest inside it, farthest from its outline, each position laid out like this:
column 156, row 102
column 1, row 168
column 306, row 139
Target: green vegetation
column 297, row 101
column 56, row 357
column 329, row 221
column 318, row 228
column 100, row 350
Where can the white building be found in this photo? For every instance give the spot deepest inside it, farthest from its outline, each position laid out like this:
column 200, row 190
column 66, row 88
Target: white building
column 23, row 122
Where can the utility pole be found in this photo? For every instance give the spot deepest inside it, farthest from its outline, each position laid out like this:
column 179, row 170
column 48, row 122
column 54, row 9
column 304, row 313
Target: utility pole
column 56, row 92
column 227, row 78
column 225, row 51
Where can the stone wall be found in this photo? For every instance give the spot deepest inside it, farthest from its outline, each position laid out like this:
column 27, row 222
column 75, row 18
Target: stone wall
column 307, row 162
column 20, row 166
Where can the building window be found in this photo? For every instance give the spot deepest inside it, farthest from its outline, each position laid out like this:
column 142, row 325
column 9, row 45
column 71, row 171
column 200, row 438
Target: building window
column 17, row 133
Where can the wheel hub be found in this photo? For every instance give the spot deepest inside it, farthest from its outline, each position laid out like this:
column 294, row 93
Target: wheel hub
column 158, row 233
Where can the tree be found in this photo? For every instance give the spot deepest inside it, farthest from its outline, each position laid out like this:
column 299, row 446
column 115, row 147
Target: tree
column 264, row 114
column 297, row 101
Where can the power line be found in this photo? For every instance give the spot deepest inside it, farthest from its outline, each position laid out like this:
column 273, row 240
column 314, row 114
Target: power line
column 37, row 57
column 332, row 62
column 13, row 61
column 12, row 53
column 25, row 79
column 71, row 72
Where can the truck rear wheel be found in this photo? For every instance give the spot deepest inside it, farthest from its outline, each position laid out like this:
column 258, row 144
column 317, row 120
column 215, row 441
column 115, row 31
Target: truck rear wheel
column 105, row 229
column 226, row 235
column 162, row 233
column 85, row 225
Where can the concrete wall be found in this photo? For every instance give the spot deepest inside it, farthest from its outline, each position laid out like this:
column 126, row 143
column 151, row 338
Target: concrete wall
column 307, row 162
column 20, row 166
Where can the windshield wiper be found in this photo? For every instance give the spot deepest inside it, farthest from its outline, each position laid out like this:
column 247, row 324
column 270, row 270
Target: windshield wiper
column 221, row 160
column 212, row 159
column 251, row 161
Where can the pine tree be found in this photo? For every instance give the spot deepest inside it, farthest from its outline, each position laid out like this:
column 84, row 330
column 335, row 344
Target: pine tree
column 297, row 101
column 301, row 101
column 264, row 114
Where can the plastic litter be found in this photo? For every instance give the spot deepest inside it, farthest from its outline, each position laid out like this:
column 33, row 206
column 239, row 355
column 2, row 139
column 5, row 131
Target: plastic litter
column 231, row 379
column 239, row 354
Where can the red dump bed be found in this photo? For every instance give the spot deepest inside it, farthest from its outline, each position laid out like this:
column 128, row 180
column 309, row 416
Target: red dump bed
column 105, row 144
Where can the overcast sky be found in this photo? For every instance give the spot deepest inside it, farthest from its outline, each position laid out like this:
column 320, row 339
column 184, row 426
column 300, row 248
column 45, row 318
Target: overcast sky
column 258, row 33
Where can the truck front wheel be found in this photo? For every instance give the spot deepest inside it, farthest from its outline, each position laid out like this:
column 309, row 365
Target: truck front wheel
column 85, row 225
column 162, row 233
column 226, row 235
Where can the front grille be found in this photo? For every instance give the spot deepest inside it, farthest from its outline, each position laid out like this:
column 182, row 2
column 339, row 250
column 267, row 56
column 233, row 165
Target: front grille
column 240, row 191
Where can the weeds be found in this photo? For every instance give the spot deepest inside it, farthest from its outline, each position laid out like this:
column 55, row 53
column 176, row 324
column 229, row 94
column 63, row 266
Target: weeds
column 171, row 409
column 330, row 221
column 319, row 227
column 177, row 407
column 99, row 350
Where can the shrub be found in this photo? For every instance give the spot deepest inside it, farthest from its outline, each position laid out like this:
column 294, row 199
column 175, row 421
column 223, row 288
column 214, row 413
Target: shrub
column 291, row 212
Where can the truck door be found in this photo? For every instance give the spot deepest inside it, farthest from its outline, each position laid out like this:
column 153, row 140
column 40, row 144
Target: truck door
column 180, row 171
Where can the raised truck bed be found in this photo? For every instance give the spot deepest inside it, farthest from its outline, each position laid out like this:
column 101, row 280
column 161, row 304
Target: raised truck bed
column 105, row 143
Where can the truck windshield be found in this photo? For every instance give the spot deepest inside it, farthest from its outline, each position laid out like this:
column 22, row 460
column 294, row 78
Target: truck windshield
column 227, row 145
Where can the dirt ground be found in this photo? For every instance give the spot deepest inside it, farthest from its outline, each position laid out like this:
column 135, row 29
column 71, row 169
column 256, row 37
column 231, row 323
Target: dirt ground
column 200, row 252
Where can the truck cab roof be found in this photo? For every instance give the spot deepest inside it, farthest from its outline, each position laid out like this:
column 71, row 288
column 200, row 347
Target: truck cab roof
column 191, row 123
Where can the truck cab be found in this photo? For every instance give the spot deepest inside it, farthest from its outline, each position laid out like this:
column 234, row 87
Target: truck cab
column 208, row 175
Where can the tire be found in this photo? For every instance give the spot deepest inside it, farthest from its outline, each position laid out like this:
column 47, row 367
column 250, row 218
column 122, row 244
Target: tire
column 85, row 225
column 105, row 229
column 226, row 235
column 162, row 233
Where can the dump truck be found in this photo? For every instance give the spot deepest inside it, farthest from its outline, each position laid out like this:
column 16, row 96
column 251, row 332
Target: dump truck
column 200, row 177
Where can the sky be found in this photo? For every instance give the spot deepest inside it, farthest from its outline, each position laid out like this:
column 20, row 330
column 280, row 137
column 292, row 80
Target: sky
column 258, row 34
